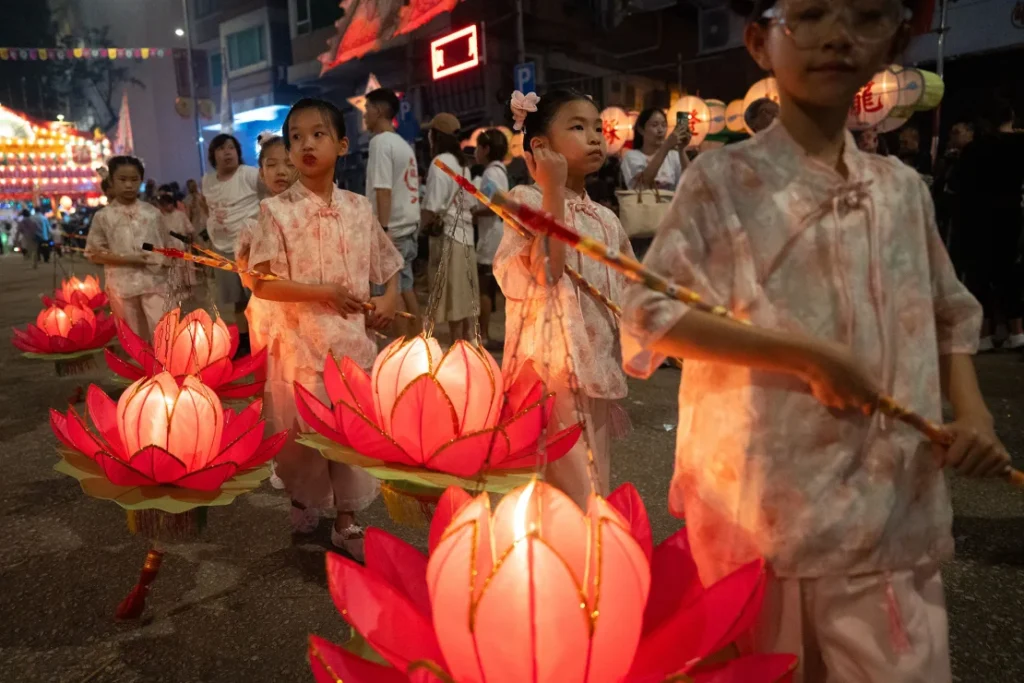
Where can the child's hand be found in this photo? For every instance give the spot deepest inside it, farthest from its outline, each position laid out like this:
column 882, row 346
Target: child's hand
column 383, row 313
column 977, row 451
column 839, row 381
column 343, row 300
column 548, row 168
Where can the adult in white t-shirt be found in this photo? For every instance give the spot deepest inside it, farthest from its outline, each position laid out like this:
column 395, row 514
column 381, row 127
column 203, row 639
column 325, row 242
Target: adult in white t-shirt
column 392, row 186
column 491, row 149
column 449, row 206
column 657, row 159
column 232, row 195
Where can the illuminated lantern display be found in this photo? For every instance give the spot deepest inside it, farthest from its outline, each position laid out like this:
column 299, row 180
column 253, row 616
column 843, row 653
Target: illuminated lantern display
column 65, row 330
column 717, row 109
column 66, row 203
column 539, row 590
column 85, row 293
column 194, row 345
column 700, row 117
column 471, row 140
column 919, row 90
column 633, row 116
column 163, row 434
column 873, row 102
column 616, row 128
column 734, row 117
column 766, row 87
column 448, row 412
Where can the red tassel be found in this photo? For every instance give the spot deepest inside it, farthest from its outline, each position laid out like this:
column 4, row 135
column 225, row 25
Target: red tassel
column 135, row 603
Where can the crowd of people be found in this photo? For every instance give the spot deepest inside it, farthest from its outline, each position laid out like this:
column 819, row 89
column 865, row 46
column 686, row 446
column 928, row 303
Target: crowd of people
column 831, row 251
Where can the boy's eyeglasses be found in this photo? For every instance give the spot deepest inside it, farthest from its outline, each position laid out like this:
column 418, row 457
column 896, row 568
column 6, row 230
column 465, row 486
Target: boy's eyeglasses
column 809, row 23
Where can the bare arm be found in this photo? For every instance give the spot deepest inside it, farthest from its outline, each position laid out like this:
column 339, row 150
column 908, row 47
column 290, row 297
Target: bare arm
column 289, row 290
column 106, row 258
column 383, row 197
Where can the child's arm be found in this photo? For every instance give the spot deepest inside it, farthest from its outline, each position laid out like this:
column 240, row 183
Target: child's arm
column 549, row 170
column 977, row 451
column 385, row 306
column 289, row 291
column 97, row 247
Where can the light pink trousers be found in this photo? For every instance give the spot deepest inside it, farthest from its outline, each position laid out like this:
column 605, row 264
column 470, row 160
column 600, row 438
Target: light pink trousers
column 140, row 313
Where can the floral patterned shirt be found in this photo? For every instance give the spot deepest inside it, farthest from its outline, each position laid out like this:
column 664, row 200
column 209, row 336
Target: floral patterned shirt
column 588, row 329
column 784, row 241
column 121, row 230
column 304, row 239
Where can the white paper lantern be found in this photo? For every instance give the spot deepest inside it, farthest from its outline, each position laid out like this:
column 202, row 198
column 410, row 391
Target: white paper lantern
column 734, row 116
column 874, row 101
column 717, row 108
column 700, row 117
column 919, row 91
column 615, row 126
column 764, row 88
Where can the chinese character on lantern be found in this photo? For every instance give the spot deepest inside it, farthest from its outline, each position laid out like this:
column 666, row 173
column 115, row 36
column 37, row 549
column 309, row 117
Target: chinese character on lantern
column 865, row 101
column 874, row 101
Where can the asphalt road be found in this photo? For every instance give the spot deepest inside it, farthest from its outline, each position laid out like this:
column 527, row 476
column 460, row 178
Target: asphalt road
column 238, row 604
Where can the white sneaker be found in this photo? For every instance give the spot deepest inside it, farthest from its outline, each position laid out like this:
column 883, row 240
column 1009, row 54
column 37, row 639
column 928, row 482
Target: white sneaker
column 1014, row 341
column 304, row 520
column 277, row 482
column 350, row 540
column 985, row 345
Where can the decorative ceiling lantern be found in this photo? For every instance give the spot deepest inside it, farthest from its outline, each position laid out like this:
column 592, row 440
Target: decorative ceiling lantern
column 700, row 117
column 163, row 434
column 447, row 412
column 86, row 293
column 194, row 345
column 615, row 128
column 540, row 590
column 734, row 117
column 717, row 108
column 764, row 88
column 919, row 90
column 67, row 329
column 873, row 102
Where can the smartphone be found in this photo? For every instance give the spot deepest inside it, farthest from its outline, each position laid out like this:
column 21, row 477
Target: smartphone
column 683, row 118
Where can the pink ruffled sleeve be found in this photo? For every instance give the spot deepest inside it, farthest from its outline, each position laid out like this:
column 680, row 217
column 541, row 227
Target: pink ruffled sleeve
column 510, row 268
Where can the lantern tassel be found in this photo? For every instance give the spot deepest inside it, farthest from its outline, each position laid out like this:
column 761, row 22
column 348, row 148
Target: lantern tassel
column 406, row 509
column 135, row 602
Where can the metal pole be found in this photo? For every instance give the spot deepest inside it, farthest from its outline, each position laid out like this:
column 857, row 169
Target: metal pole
column 192, row 90
column 940, row 68
column 520, row 36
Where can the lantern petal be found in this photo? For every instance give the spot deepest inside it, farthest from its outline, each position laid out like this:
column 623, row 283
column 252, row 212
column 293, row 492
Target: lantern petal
column 236, row 425
column 381, row 614
column 121, row 473
column 122, row 368
column 523, row 394
column 626, row 500
column 104, row 331
column 247, row 365
column 216, row 373
column 103, row 412
column 472, row 381
column 331, row 664
column 556, row 447
column 451, row 501
column 674, row 579
column 468, row 455
column 240, row 390
column 395, row 369
column 37, row 337
column 196, row 424
column 59, row 425
column 267, row 450
column 346, row 382
column 164, row 334
column 209, row 478
column 81, row 334
column 23, row 341
column 367, row 438
column 83, row 440
column 525, row 429
column 158, row 465
column 401, row 565
column 241, row 449
column 761, row 668
column 423, row 418
column 134, row 345
column 318, row 416
column 232, row 340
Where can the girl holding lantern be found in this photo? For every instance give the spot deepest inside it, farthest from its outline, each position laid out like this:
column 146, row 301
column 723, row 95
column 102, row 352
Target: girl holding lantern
column 328, row 246
column 834, row 256
column 563, row 143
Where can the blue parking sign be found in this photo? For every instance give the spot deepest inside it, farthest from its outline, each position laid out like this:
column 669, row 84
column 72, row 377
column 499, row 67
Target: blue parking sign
column 525, row 76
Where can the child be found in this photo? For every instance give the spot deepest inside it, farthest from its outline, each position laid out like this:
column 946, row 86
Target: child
column 563, row 143
column 182, row 274
column 491, row 149
column 136, row 282
column 327, row 244
column 833, row 255
column 449, row 208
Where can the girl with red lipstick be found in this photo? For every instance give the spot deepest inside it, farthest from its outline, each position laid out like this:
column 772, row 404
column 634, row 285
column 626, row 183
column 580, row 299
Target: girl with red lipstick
column 834, row 256
column 328, row 247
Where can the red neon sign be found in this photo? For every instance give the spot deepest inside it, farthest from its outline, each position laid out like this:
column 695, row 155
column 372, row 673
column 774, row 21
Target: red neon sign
column 455, row 52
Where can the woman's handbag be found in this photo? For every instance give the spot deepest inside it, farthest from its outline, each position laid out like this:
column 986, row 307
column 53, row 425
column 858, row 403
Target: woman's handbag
column 641, row 211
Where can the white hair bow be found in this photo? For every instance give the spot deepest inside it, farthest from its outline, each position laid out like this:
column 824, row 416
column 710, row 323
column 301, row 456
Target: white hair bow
column 521, row 105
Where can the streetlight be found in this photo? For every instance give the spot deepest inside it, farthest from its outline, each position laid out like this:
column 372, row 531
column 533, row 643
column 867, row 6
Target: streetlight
column 179, row 32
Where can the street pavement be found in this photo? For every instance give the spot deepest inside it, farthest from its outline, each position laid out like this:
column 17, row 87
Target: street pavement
column 239, row 603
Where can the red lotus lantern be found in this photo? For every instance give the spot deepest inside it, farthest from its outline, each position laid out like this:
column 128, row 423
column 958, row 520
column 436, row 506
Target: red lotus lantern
column 194, row 345
column 163, row 434
column 86, row 293
column 65, row 330
column 540, row 591
column 448, row 412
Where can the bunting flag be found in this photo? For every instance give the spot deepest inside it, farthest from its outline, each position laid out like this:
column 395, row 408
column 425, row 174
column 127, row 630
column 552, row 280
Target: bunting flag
column 31, row 54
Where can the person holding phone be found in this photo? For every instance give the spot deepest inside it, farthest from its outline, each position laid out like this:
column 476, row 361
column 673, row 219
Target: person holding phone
column 658, row 157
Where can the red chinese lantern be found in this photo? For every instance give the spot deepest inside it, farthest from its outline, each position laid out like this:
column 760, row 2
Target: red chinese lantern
column 615, row 128
column 65, row 329
column 160, row 433
column 448, row 412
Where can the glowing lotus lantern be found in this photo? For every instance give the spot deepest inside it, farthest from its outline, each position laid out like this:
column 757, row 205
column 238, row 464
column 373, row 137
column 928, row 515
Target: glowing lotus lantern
column 163, row 434
column 734, row 116
column 541, row 591
column 615, row 127
column 764, row 88
column 65, row 330
column 700, row 117
column 873, row 102
column 717, row 108
column 448, row 412
column 86, row 293
column 194, row 345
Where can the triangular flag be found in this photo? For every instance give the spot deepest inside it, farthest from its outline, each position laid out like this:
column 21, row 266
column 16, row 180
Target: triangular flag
column 144, row 52
column 112, row 52
column 77, row 52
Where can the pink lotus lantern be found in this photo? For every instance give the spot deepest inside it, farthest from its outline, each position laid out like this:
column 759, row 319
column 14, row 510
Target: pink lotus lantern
column 160, row 433
column 194, row 345
column 86, row 293
column 65, row 330
column 449, row 412
column 541, row 591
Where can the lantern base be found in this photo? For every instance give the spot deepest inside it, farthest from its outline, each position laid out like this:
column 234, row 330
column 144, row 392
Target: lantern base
column 408, row 505
column 66, row 368
column 158, row 525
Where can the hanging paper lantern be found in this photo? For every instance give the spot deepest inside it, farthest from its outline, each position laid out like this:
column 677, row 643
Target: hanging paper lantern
column 873, row 102
column 86, row 293
column 632, row 116
column 700, row 117
column 66, row 203
column 717, row 108
column 471, row 140
column 764, row 88
column 65, row 329
column 448, row 412
column 919, row 90
column 193, row 345
column 160, row 433
column 539, row 590
column 615, row 128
